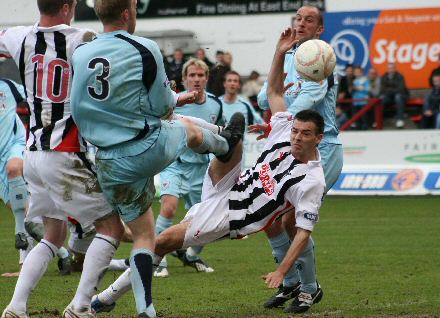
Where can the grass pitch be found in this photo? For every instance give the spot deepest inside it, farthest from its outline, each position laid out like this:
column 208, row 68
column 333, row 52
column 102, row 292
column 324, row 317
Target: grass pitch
column 376, row 257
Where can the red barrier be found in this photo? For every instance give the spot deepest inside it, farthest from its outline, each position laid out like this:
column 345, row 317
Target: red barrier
column 375, row 103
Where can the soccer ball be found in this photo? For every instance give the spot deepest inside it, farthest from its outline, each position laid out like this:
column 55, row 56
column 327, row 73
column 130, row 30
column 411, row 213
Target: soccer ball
column 315, row 60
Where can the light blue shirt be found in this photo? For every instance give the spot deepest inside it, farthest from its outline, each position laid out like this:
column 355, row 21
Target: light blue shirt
column 320, row 97
column 361, row 89
column 119, row 92
column 9, row 120
column 239, row 105
column 211, row 110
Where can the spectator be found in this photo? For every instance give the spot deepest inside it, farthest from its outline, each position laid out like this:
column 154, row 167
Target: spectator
column 361, row 90
column 251, row 89
column 217, row 73
column 394, row 92
column 175, row 69
column 431, row 107
column 219, row 57
column 201, row 55
column 374, row 78
column 434, row 72
column 346, row 89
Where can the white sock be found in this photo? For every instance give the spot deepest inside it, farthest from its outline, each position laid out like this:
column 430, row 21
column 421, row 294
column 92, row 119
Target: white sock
column 117, row 289
column 118, row 265
column 34, row 267
column 98, row 257
column 201, row 123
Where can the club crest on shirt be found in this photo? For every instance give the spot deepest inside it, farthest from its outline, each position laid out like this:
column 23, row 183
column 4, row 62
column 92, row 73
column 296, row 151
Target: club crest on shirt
column 266, row 179
column 213, row 118
column 165, row 185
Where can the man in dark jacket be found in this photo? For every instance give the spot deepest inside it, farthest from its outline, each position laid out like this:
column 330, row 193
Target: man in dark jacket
column 394, row 92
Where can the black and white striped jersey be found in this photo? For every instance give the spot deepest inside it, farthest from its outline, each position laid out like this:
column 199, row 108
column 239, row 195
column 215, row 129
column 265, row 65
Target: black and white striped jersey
column 276, row 184
column 43, row 57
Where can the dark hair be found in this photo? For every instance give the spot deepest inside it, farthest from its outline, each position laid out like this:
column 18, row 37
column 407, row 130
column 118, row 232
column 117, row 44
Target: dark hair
column 109, row 11
column 232, row 73
column 309, row 115
column 52, row 7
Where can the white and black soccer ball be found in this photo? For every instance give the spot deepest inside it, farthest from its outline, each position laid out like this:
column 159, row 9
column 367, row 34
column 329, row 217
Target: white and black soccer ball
column 315, row 60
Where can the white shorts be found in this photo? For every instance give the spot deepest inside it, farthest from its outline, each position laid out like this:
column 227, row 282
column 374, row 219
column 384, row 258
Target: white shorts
column 210, row 218
column 61, row 184
column 80, row 245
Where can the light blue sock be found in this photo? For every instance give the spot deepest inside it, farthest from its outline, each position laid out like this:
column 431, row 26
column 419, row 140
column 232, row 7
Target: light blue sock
column 17, row 198
column 162, row 223
column 307, row 269
column 192, row 253
column 212, row 143
column 62, row 252
column 141, row 265
column 280, row 245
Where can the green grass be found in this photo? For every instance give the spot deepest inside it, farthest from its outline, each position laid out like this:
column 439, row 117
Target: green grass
column 376, row 257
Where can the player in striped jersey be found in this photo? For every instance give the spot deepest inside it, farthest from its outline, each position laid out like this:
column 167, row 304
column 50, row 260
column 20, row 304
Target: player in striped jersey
column 184, row 177
column 308, row 24
column 13, row 190
column 60, row 178
column 120, row 98
column 287, row 176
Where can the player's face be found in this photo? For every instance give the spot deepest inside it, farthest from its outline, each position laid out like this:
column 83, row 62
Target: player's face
column 304, row 139
column 232, row 84
column 195, row 79
column 306, row 24
column 132, row 17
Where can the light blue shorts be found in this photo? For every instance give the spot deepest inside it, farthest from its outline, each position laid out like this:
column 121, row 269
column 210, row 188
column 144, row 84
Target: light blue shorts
column 128, row 182
column 14, row 149
column 332, row 160
column 184, row 180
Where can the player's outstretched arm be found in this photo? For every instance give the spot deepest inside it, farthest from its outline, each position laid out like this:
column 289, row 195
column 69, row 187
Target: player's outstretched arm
column 275, row 89
column 275, row 279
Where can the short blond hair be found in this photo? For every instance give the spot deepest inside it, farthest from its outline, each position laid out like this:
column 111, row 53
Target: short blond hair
column 109, row 11
column 195, row 62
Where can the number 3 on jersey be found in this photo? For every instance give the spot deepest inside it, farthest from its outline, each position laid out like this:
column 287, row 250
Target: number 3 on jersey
column 101, row 92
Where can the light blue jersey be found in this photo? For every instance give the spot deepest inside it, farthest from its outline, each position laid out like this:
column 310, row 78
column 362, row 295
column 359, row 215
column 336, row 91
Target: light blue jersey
column 211, row 110
column 320, row 97
column 239, row 105
column 10, row 123
column 120, row 107
column 12, row 132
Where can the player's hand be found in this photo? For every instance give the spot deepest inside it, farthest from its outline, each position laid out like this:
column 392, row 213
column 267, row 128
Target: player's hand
column 286, row 41
column 273, row 279
column 259, row 129
column 187, row 98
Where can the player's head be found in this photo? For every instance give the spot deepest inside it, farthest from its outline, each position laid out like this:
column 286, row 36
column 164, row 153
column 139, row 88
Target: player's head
column 117, row 13
column 308, row 23
column 232, row 82
column 64, row 9
column 307, row 132
column 195, row 75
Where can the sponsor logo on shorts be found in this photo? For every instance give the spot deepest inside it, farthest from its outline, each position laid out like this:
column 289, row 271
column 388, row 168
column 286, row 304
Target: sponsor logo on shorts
column 266, row 180
column 197, row 235
column 165, row 185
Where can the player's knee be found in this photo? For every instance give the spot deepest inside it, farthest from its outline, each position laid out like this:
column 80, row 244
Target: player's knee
column 111, row 226
column 14, row 168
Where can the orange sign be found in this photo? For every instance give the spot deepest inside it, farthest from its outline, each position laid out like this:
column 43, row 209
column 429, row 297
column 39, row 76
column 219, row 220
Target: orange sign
column 410, row 39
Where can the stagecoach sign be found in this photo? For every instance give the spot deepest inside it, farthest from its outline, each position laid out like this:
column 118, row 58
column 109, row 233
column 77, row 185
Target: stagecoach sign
column 176, row 8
